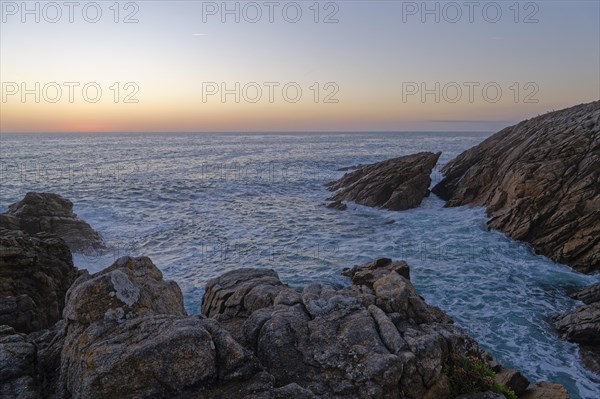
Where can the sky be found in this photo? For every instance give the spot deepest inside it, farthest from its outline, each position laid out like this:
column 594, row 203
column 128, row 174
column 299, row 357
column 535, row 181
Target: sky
column 202, row 66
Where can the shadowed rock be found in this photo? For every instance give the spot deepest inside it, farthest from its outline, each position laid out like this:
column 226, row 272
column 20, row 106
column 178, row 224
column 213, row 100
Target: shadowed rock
column 396, row 184
column 582, row 326
column 35, row 274
column 51, row 213
column 540, row 183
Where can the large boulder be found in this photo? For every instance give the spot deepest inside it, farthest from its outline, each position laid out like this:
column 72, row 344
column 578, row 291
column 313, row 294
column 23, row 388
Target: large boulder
column 35, row 274
column 127, row 331
column 539, row 181
column 51, row 213
column 375, row 338
column 396, row 184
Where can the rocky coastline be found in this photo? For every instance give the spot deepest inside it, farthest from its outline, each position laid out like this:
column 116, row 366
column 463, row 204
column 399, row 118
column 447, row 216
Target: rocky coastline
column 125, row 329
column 65, row 333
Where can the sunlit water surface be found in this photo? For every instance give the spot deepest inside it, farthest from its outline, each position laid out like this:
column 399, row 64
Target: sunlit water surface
column 200, row 205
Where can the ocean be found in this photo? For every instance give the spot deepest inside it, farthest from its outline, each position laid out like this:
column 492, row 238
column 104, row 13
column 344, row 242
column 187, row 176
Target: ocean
column 202, row 204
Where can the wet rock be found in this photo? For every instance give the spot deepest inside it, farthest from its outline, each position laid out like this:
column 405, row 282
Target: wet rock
column 581, row 325
column 376, row 338
column 545, row 390
column 539, row 183
column 590, row 357
column 35, row 274
column 339, row 205
column 51, row 213
column 589, row 295
column 396, row 184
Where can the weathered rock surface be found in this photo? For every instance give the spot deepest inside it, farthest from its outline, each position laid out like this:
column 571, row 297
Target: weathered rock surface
column 51, row 213
column 396, row 184
column 35, row 274
column 582, row 326
column 127, row 331
column 540, row 182
column 376, row 338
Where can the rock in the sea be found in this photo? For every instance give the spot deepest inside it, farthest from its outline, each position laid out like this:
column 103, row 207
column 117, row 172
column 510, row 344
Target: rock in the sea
column 581, row 325
column 51, row 213
column 376, row 338
column 396, row 184
column 35, row 274
column 540, row 183
column 339, row 205
column 589, row 294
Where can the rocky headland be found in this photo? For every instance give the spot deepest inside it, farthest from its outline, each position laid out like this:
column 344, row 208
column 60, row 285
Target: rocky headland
column 540, row 183
column 396, row 184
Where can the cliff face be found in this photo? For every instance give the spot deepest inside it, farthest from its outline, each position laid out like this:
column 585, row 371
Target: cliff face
column 540, row 182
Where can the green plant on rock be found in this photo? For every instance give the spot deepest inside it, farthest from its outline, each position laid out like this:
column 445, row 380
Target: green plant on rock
column 468, row 374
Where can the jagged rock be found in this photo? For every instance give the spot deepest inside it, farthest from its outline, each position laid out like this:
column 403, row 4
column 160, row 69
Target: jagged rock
column 581, row 325
column 589, row 295
column 235, row 295
column 540, row 183
column 545, row 390
column 129, row 288
column 35, row 274
column 51, row 213
column 339, row 205
column 513, row 379
column 376, row 338
column 396, row 184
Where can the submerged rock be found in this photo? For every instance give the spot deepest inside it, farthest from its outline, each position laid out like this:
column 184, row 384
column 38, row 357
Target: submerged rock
column 540, row 183
column 339, row 205
column 396, row 184
column 35, row 274
column 51, row 213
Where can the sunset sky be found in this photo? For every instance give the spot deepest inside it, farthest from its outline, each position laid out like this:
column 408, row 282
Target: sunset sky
column 367, row 70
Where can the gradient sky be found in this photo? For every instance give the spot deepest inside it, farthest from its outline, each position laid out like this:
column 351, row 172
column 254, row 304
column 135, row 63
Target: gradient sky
column 374, row 51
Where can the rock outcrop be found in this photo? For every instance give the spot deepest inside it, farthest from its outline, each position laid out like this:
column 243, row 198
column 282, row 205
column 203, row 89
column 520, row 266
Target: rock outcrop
column 396, row 184
column 540, row 182
column 51, row 213
column 35, row 274
column 582, row 326
column 375, row 338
